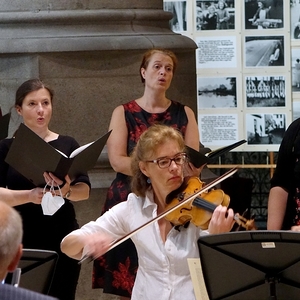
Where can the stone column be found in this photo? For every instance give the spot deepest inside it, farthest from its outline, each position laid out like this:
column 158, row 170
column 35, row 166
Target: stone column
column 89, row 52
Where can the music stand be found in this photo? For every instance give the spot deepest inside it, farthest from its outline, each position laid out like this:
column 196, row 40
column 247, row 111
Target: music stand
column 37, row 269
column 251, row 265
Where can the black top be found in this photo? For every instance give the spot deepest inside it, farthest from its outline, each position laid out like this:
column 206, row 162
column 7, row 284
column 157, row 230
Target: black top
column 287, row 172
column 40, row 231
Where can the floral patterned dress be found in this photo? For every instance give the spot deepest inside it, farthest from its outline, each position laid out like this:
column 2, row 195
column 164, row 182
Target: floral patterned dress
column 115, row 271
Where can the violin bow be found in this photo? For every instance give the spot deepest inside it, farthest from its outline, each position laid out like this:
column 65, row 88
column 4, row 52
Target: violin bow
column 163, row 214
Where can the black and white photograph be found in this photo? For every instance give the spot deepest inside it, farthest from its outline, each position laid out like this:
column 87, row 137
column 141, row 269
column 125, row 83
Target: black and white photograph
column 217, row 92
column 265, row 91
column 215, row 15
column 295, row 69
column 265, row 128
column 261, row 51
column 295, row 19
column 179, row 21
column 264, row 14
column 296, row 110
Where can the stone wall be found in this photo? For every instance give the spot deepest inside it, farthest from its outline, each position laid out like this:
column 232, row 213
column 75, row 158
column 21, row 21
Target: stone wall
column 90, row 53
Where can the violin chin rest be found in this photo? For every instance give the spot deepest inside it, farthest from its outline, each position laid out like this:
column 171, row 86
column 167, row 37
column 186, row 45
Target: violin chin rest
column 184, row 219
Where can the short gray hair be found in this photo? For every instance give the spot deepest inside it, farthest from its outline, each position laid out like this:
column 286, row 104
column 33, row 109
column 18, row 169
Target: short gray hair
column 11, row 232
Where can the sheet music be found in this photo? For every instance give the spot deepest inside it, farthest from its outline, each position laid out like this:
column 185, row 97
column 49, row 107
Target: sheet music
column 197, row 279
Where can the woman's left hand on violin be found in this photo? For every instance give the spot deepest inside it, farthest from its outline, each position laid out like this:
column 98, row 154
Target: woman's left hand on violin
column 222, row 220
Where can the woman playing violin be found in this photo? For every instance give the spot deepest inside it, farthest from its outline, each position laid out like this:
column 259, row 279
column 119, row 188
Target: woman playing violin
column 157, row 164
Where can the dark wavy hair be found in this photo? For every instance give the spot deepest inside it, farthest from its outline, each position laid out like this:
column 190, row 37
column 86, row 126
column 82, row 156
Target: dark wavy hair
column 29, row 86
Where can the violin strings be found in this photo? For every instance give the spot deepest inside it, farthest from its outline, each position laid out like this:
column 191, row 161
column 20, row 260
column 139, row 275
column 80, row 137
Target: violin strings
column 200, row 202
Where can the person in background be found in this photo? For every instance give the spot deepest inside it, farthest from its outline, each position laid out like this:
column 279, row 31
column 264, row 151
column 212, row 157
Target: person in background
column 261, row 14
column 158, row 169
column 275, row 56
column 34, row 102
column 211, row 18
column 199, row 19
column 223, row 15
column 10, row 253
column 284, row 196
column 116, row 270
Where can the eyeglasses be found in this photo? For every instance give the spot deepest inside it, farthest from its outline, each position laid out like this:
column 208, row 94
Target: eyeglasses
column 165, row 162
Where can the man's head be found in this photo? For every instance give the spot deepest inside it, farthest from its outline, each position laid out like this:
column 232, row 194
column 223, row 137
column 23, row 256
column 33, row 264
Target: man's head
column 10, row 239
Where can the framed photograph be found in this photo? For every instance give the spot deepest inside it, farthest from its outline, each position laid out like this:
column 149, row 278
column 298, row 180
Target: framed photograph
column 295, row 69
column 295, row 19
column 179, row 10
column 262, row 51
column 265, row 91
column 214, row 15
column 265, row 128
column 264, row 14
column 296, row 109
column 216, row 92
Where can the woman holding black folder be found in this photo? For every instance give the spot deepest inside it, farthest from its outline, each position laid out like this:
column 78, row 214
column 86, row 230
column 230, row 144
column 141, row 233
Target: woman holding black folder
column 34, row 102
column 115, row 271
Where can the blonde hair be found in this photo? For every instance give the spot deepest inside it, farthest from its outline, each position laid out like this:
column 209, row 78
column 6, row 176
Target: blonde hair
column 146, row 147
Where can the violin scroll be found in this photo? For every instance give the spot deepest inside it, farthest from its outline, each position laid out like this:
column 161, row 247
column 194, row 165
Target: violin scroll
column 245, row 223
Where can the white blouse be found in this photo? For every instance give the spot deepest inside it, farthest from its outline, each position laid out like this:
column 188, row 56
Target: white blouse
column 163, row 271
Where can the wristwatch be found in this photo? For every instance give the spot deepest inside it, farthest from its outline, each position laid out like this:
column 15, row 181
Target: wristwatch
column 68, row 194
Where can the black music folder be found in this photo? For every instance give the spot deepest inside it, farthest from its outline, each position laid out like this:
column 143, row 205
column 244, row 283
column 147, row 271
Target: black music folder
column 197, row 158
column 4, row 124
column 31, row 156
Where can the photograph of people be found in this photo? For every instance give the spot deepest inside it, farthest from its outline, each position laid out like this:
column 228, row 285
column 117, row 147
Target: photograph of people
column 215, row 15
column 295, row 69
column 263, row 51
column 178, row 8
column 223, row 15
column 264, row 14
column 295, row 19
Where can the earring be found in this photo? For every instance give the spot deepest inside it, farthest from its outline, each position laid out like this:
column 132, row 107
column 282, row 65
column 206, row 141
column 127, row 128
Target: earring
column 148, row 180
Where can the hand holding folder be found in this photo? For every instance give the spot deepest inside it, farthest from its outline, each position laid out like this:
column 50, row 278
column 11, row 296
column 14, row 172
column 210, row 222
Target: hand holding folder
column 31, row 156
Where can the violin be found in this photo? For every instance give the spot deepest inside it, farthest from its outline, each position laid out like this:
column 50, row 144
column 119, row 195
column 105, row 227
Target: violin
column 178, row 205
column 199, row 210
